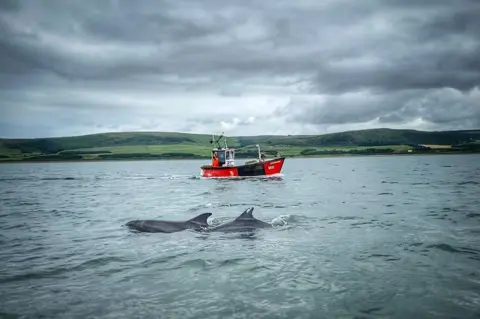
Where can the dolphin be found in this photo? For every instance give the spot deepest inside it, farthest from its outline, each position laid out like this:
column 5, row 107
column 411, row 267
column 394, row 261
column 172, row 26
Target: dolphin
column 243, row 223
column 165, row 226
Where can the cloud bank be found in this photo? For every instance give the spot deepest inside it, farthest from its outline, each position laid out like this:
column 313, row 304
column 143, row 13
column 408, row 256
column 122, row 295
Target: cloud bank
column 244, row 67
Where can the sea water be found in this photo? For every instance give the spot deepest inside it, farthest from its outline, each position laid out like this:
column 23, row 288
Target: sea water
column 354, row 237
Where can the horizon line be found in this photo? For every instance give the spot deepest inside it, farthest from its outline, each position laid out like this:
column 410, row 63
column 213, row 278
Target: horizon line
column 217, row 134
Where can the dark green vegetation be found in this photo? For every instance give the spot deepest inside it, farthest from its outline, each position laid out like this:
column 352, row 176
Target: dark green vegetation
column 160, row 145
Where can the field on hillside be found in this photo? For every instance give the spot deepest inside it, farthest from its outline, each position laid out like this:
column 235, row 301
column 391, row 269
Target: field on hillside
column 142, row 149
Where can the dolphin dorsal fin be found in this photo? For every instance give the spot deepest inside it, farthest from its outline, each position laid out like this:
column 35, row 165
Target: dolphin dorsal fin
column 247, row 214
column 200, row 219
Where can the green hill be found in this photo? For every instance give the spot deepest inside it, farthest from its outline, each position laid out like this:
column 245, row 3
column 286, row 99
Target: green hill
column 161, row 145
column 373, row 137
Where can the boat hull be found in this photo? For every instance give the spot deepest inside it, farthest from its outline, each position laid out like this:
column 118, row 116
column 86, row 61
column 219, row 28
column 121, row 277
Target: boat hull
column 270, row 167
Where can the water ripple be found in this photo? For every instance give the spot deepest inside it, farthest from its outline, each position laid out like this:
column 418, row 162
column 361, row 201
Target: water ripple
column 353, row 238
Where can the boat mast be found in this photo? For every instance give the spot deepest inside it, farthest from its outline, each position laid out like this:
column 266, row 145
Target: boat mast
column 213, row 141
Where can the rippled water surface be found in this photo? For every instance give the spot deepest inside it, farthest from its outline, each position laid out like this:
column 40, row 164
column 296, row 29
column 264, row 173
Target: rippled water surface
column 361, row 237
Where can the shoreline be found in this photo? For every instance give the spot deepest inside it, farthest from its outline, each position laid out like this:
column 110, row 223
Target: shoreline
column 26, row 161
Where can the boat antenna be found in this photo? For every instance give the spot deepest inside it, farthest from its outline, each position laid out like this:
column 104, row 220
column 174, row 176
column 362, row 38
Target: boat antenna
column 212, row 141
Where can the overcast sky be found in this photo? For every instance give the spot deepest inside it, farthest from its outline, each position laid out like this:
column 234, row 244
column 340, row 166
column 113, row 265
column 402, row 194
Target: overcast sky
column 243, row 67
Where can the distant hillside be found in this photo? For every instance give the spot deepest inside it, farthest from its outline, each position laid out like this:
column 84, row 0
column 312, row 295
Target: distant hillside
column 184, row 145
column 54, row 145
column 373, row 137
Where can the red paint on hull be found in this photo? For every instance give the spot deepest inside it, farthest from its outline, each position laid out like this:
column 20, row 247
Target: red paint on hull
column 273, row 166
column 219, row 172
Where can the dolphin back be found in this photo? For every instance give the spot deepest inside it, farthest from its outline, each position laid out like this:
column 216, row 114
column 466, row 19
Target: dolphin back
column 244, row 222
column 200, row 220
column 168, row 226
column 247, row 214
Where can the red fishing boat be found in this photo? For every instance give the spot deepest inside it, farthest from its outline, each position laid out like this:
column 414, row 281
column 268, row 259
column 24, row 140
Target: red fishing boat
column 223, row 164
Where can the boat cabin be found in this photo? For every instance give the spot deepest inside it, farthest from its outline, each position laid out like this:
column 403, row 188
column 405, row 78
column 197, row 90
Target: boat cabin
column 226, row 156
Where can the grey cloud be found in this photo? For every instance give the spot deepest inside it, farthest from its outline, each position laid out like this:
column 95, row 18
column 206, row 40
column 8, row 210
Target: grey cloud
column 231, row 91
column 438, row 71
column 240, row 121
column 435, row 48
column 155, row 24
column 402, row 53
column 9, row 5
column 444, row 107
column 275, row 38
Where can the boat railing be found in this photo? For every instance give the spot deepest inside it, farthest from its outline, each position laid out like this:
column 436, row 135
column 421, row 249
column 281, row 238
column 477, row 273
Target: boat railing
column 254, row 161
